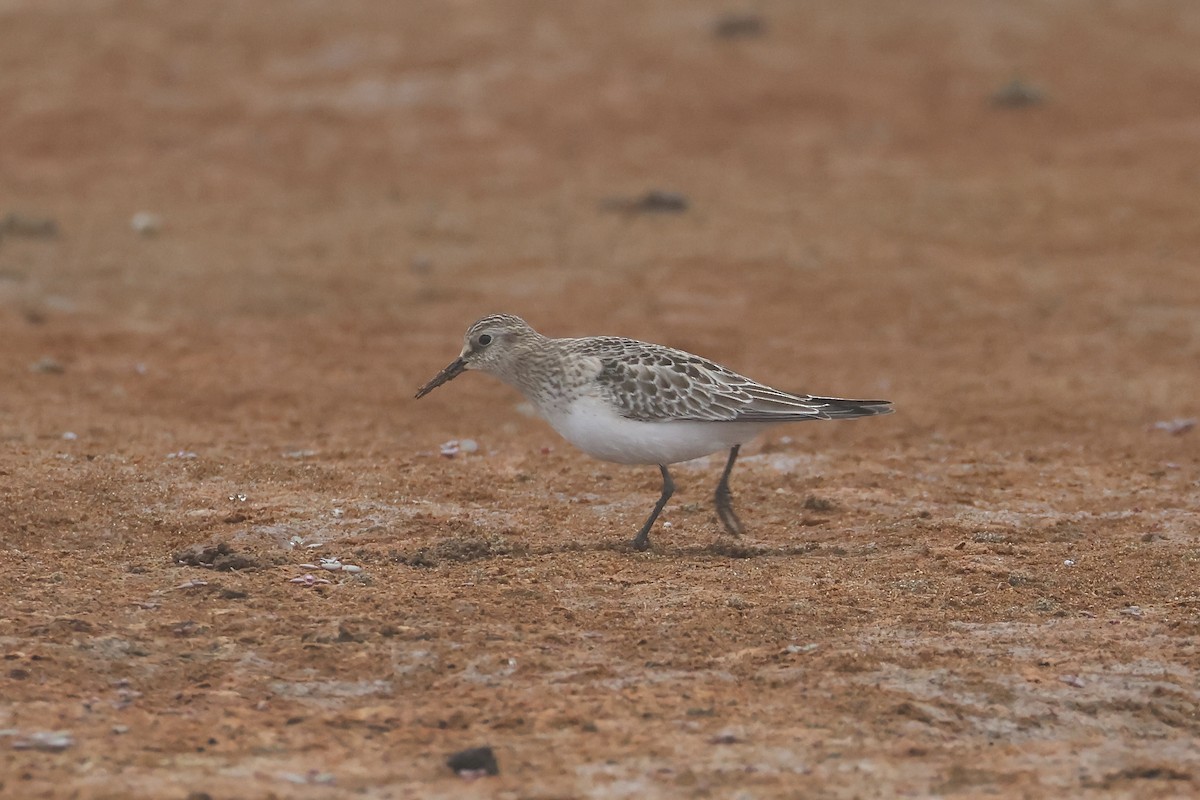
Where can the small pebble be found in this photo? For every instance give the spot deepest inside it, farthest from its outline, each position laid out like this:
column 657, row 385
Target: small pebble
column 475, row 762
column 146, row 223
column 47, row 366
column 15, row 224
column 655, row 201
column 738, row 26
column 1017, row 94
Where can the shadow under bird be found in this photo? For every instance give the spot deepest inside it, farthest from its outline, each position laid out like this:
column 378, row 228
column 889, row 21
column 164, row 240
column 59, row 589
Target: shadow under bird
column 633, row 402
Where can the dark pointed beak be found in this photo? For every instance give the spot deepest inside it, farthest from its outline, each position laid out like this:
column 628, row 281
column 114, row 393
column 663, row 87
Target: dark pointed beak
column 452, row 371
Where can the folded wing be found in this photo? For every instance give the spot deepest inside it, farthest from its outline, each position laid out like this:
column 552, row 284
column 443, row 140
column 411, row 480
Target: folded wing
column 651, row 382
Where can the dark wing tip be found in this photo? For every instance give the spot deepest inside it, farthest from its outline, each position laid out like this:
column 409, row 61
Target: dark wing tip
column 837, row 408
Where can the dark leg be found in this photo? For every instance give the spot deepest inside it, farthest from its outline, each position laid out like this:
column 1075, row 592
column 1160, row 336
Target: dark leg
column 642, row 540
column 724, row 501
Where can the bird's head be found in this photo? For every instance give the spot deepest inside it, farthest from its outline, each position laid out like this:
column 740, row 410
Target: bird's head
column 493, row 344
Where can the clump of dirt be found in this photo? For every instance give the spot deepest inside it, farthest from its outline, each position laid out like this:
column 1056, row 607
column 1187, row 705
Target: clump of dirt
column 220, row 557
column 816, row 503
column 459, row 549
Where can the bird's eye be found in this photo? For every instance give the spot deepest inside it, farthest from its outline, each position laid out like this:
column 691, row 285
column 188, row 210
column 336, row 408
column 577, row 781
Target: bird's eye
column 484, row 339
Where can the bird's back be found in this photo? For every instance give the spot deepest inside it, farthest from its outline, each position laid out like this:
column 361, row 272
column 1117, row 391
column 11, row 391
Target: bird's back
column 652, row 382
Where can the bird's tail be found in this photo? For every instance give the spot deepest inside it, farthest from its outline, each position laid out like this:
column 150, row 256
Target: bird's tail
column 837, row 408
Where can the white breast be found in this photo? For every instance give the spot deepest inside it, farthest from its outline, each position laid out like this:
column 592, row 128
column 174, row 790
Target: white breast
column 598, row 430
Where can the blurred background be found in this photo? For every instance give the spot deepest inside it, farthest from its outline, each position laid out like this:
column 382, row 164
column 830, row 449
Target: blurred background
column 992, row 200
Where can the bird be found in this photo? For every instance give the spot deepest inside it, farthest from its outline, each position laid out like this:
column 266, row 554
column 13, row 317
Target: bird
column 632, row 402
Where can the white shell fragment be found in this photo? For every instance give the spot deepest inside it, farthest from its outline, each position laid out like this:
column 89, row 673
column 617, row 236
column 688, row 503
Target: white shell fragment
column 310, row 580
column 146, row 223
column 330, row 564
column 46, row 741
column 1176, row 427
column 192, row 584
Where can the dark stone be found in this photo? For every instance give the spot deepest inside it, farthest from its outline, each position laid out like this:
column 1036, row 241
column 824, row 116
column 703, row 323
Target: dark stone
column 474, row 760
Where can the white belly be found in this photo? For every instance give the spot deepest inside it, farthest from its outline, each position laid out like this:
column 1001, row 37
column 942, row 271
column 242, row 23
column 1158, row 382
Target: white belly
column 596, row 429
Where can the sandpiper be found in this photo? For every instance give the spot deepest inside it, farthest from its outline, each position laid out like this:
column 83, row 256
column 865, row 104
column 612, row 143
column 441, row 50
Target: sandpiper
column 634, row 402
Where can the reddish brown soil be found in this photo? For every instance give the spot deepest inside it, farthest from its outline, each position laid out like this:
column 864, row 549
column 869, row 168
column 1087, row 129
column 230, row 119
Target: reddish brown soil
column 994, row 592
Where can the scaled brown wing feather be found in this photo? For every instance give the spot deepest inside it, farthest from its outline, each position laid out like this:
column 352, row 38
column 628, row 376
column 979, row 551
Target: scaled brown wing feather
column 650, row 382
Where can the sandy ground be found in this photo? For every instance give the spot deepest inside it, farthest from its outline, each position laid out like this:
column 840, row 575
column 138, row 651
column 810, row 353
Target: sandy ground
column 993, row 592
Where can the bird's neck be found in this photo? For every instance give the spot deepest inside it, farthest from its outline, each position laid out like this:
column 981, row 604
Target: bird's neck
column 545, row 378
